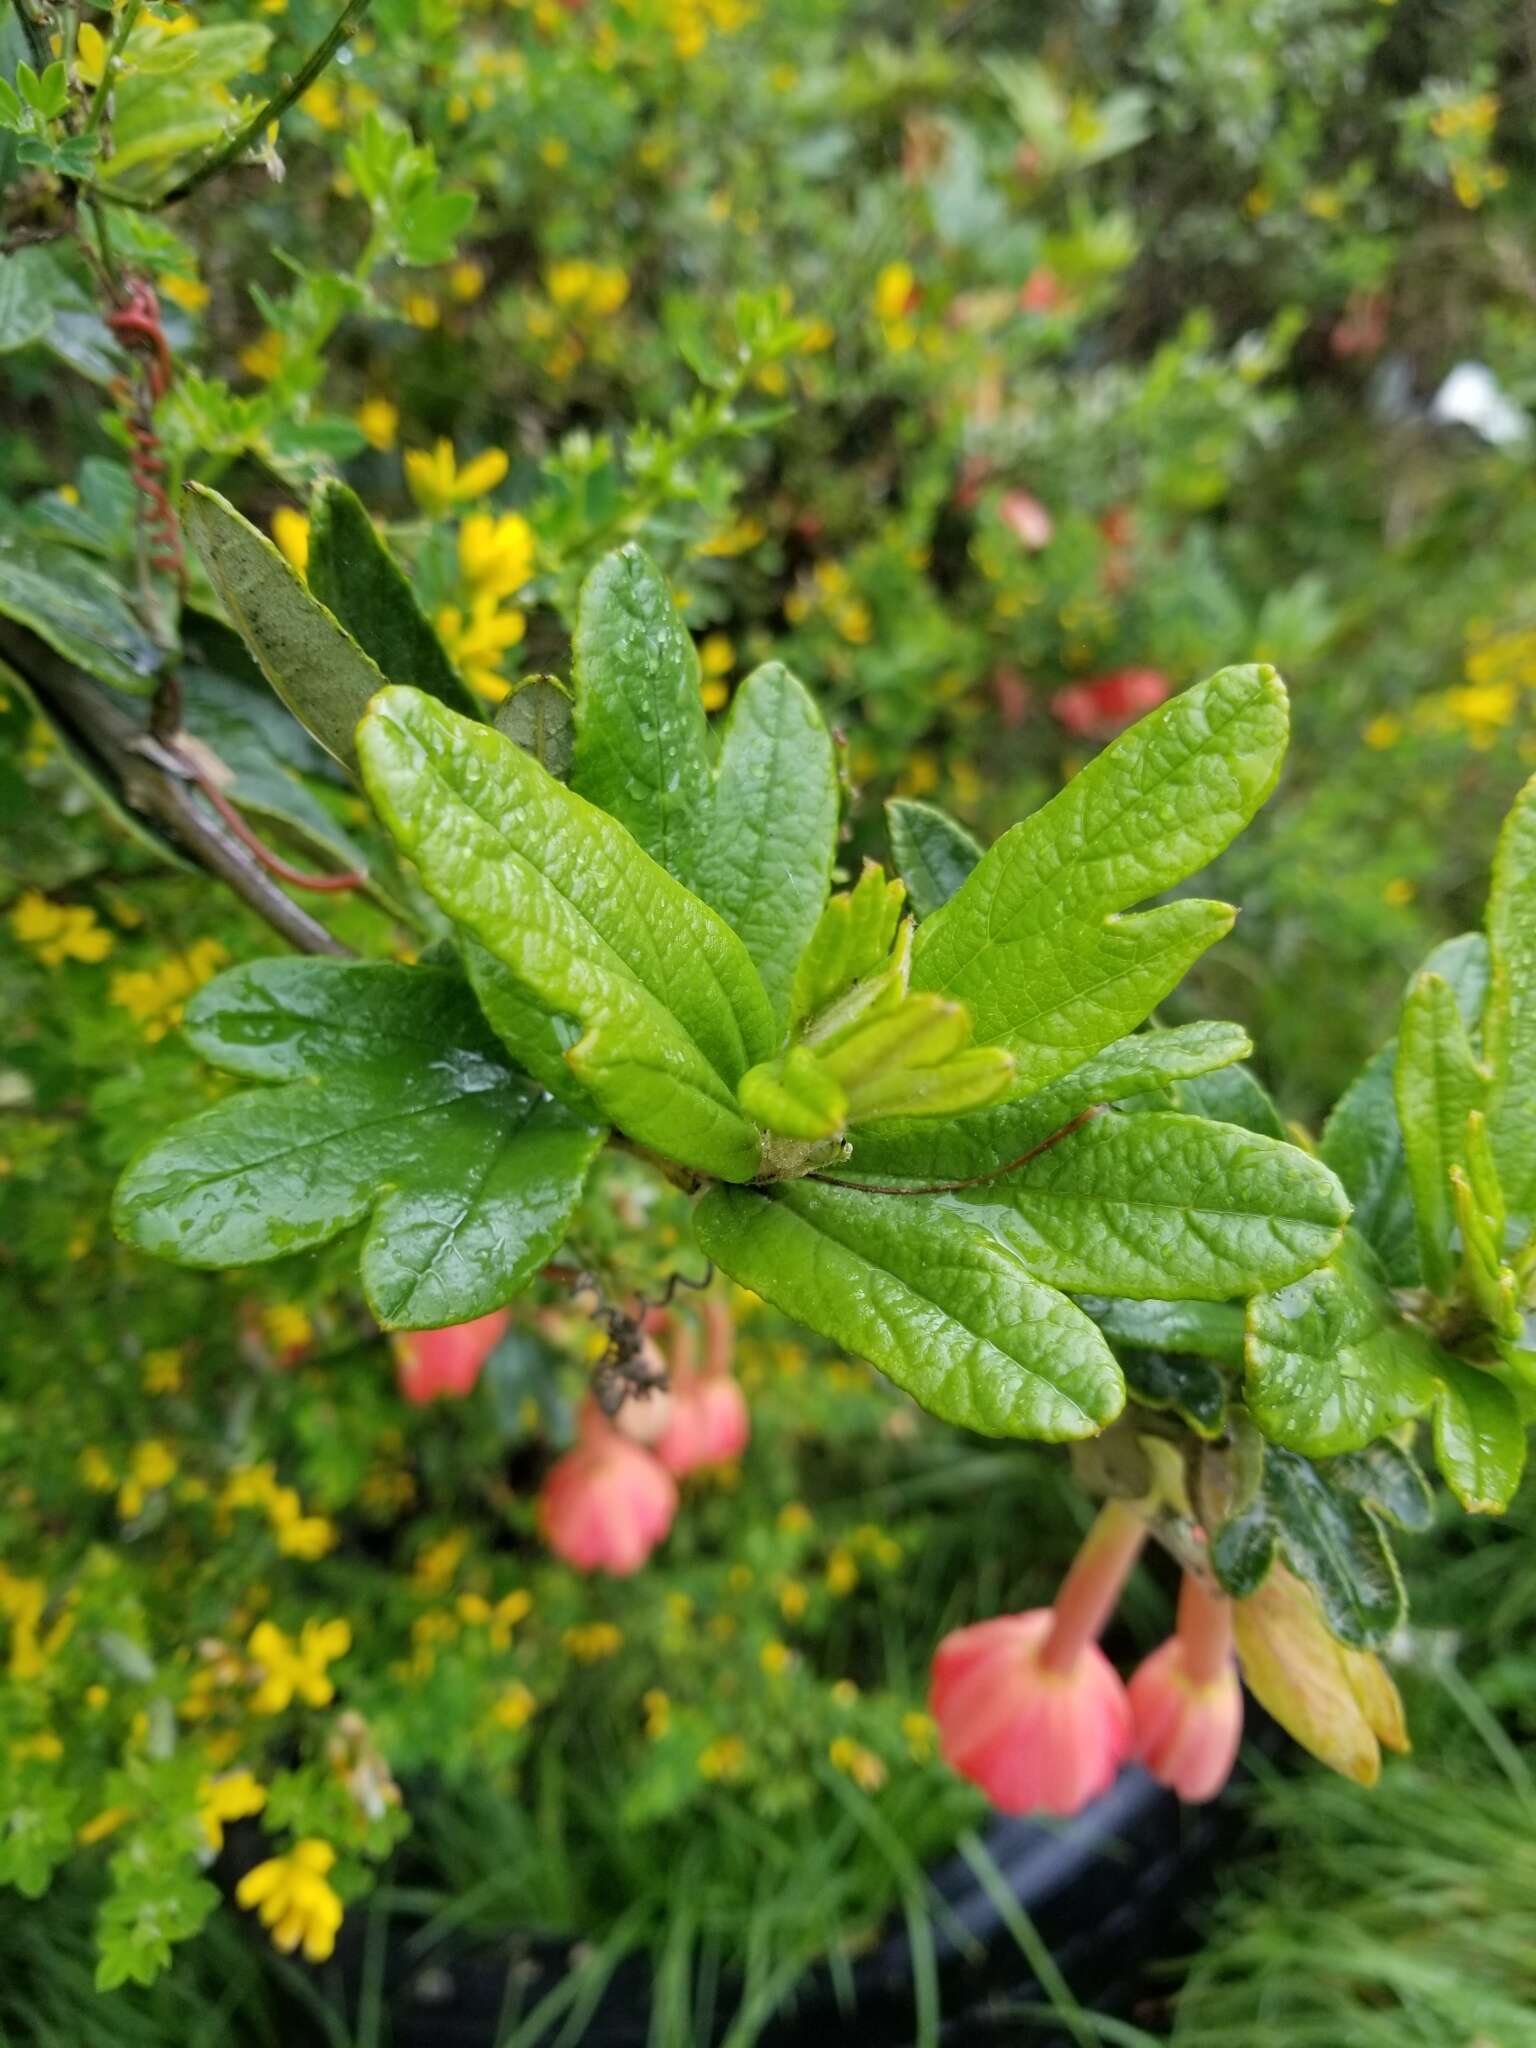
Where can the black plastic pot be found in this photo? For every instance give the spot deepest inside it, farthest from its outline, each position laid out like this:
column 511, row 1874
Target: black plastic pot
column 1108, row 1892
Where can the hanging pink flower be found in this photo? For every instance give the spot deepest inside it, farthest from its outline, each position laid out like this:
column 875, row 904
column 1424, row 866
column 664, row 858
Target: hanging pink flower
column 432, row 1365
column 1187, row 1699
column 710, row 1423
column 607, row 1503
column 1101, row 707
column 1028, row 1707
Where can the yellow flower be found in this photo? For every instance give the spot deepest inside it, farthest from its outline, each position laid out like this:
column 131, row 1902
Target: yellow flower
column 793, row 1600
column 263, row 359
column 57, row 932
column 794, row 1518
column 893, row 291
column 235, row 1796
column 919, row 1730
column 858, row 1763
column 290, row 529
column 437, row 483
column 842, row 1573
column 775, row 1658
column 105, row 1823
column 152, row 1466
column 293, row 1898
column 95, row 1470
column 1398, row 892
column 190, row 293
column 156, row 996
column 516, row 1707
column 554, row 152
column 306, row 1536
column 466, row 281
column 288, row 1669
column 421, row 309
column 478, row 642
column 658, row 1713
column 323, row 105
column 45, row 1746
column 496, row 554
column 592, row 1642
column 286, row 1325
column 735, row 539
column 161, row 1370
column 378, row 420
column 726, row 1758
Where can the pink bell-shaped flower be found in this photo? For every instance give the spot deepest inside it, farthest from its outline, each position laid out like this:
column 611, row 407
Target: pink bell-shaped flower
column 607, row 1503
column 710, row 1423
column 432, row 1365
column 1187, row 1699
column 1028, row 1707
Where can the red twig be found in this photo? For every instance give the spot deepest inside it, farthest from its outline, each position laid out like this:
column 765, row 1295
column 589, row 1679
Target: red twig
column 135, row 324
column 272, row 862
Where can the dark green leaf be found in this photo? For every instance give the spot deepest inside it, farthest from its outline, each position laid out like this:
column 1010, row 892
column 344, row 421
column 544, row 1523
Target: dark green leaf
column 395, row 1102
column 1205, row 1329
column 1438, row 1085
column 1194, row 1390
column 537, row 717
column 937, row 1304
column 1231, row 1095
column 1388, row 1479
column 353, row 574
column 933, row 854
column 1332, row 1541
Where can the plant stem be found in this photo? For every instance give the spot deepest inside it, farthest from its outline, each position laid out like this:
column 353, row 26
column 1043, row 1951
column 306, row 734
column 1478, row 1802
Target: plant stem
column 124, row 754
column 122, row 29
column 1093, row 1584
column 1204, row 1631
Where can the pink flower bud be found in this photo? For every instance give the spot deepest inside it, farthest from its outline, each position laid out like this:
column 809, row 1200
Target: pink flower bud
column 1099, row 708
column 1026, row 519
column 645, row 1413
column 607, row 1503
column 1028, row 1706
column 710, row 1423
column 431, row 1365
column 1187, row 1700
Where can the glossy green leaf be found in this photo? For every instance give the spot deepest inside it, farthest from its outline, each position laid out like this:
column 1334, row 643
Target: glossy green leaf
column 394, row 1102
column 933, row 854
column 1205, row 1329
column 1479, row 1437
column 1363, row 1140
column 538, row 717
column 1330, row 1362
column 1438, row 1084
column 854, row 944
column 1190, row 1388
column 79, row 609
column 1332, row 1541
column 31, row 281
column 671, row 1011
column 939, row 1305
column 305, row 653
column 642, row 750
column 1037, row 943
column 1231, row 1095
column 1164, row 1206
column 795, row 1096
column 1387, row 1478
column 1510, row 1030
column 989, row 1138
column 537, row 1038
column 764, row 841
column 353, row 574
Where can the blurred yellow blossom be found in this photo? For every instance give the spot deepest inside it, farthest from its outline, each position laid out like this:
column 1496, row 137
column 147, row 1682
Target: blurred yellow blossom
column 857, row 1762
column 263, row 359
column 723, row 1759
column 294, row 1900
column 90, row 54
column 378, row 420
column 597, row 289
column 592, row 1641
column 155, row 997
column 190, row 293
column 421, row 309
column 290, row 529
column 102, row 1824
column 290, row 1669
column 516, row 1707
column 466, row 281
column 919, row 1730
column 234, row 1796
column 496, row 554
column 437, row 483
column 95, row 1470
column 152, row 1466
column 57, row 932
column 161, row 1370
column 658, row 1713
column 478, row 642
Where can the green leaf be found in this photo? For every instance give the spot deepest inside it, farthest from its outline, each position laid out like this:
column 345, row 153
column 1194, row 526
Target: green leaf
column 1192, row 1389
column 764, row 843
column 989, row 1138
column 353, row 574
column 1438, row 1085
column 305, row 653
column 1330, row 1363
column 853, row 942
column 933, row 854
column 1510, row 1028
column 795, row 1096
column 1479, row 1437
column 641, row 736
column 538, row 718
column 1363, row 1140
column 1231, row 1095
column 1388, row 1479
column 1036, row 943
column 79, row 609
column 30, row 285
column 1164, row 1206
column 671, row 1011
column 937, row 1304
column 537, row 1038
column 1206, row 1329
column 1332, row 1541
column 394, row 1102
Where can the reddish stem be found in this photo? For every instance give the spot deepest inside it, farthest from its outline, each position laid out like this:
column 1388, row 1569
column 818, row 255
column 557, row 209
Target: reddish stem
column 1204, row 1631
column 1093, row 1584
column 272, row 862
